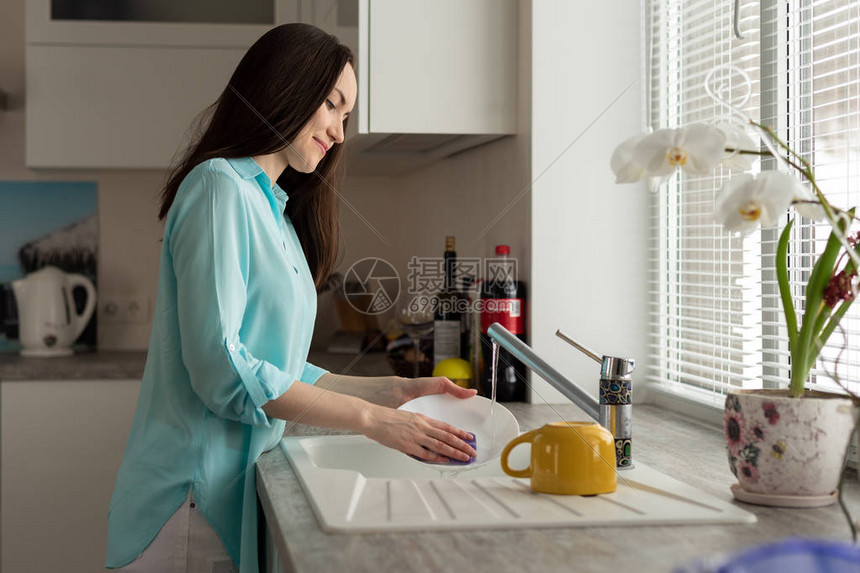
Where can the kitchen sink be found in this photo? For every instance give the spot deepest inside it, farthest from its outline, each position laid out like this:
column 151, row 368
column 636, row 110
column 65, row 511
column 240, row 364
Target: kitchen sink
column 372, row 460
column 356, row 485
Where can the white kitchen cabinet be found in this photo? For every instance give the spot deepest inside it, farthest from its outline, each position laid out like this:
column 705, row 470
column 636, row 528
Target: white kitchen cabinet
column 123, row 94
column 435, row 77
column 446, row 67
column 61, row 444
column 114, row 107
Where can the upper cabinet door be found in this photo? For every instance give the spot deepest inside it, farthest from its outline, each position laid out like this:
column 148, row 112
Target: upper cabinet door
column 117, row 84
column 118, row 106
column 440, row 66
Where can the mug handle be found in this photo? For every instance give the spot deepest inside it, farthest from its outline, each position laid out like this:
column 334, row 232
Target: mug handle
column 523, row 473
column 79, row 321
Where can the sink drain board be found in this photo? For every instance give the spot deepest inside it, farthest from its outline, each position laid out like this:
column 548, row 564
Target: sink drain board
column 347, row 500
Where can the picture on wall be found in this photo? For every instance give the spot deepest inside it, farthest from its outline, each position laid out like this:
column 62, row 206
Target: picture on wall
column 46, row 223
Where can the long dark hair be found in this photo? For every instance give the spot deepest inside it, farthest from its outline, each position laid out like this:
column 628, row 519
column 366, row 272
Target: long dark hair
column 284, row 77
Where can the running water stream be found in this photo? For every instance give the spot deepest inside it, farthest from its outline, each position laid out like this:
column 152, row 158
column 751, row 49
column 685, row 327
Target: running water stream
column 494, row 370
column 494, row 451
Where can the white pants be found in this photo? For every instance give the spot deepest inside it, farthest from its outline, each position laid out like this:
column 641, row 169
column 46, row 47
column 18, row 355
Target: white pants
column 185, row 544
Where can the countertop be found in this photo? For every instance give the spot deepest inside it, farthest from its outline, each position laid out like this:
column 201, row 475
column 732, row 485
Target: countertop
column 128, row 365
column 686, row 449
column 120, row 365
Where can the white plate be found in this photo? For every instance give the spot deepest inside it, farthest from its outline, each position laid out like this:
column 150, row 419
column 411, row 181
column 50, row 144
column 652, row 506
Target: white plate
column 473, row 415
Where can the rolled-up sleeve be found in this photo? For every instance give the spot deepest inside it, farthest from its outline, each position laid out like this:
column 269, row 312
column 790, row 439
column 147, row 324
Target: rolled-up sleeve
column 311, row 373
column 209, row 244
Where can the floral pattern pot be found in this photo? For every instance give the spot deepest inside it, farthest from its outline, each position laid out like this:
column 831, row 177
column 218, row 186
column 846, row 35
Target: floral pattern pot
column 782, row 446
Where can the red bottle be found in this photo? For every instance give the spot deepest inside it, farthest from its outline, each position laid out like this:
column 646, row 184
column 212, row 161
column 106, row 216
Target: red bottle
column 504, row 301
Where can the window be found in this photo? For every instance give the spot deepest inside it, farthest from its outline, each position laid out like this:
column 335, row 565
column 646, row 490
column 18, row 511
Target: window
column 715, row 305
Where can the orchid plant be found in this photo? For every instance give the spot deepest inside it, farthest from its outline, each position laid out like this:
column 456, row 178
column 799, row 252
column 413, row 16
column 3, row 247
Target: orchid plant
column 745, row 202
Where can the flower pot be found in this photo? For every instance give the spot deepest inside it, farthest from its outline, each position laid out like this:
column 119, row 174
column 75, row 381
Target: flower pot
column 787, row 451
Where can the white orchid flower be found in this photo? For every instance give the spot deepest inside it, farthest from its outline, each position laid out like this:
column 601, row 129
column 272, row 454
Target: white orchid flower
column 745, row 202
column 626, row 170
column 808, row 205
column 696, row 149
column 737, row 139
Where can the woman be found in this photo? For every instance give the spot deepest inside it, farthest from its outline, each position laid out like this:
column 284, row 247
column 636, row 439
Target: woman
column 250, row 229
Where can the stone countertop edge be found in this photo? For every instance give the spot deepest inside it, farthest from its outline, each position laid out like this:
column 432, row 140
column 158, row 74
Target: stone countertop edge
column 687, row 449
column 129, row 365
column 102, row 365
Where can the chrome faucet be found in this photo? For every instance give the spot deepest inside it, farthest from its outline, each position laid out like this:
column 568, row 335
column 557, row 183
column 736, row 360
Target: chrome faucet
column 614, row 410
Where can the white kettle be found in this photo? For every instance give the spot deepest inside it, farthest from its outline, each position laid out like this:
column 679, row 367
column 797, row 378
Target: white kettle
column 47, row 319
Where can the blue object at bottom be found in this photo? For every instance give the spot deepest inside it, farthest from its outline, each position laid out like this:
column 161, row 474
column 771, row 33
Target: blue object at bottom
column 791, row 555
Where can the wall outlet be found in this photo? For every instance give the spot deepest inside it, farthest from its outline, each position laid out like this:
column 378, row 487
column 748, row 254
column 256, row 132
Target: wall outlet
column 124, row 309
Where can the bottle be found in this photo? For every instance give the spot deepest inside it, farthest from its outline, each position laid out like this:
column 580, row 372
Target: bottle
column 466, row 308
column 474, row 329
column 504, row 301
column 447, row 315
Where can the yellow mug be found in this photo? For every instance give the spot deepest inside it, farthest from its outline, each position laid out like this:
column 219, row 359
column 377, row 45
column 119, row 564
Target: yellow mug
column 571, row 458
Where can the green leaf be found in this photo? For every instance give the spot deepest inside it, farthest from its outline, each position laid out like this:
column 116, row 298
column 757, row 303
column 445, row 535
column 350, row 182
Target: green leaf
column 831, row 326
column 784, row 288
column 823, row 334
column 821, row 273
column 817, row 342
column 821, row 319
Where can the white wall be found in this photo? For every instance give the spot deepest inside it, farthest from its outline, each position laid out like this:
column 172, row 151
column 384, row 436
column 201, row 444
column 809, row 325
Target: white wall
column 589, row 236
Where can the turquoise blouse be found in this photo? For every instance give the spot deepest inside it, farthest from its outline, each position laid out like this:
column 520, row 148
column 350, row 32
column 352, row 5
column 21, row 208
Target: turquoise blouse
column 232, row 329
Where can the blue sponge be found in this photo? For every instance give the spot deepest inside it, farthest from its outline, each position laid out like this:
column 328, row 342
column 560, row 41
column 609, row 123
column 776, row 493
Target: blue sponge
column 472, row 442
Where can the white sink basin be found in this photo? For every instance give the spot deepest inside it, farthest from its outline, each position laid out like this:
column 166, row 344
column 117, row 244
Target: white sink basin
column 374, row 461
column 356, row 485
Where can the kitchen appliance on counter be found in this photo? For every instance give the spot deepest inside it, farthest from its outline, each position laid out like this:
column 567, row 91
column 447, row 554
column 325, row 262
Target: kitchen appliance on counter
column 48, row 320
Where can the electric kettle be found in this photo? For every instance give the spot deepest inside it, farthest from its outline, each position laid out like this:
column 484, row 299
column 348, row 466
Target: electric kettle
column 48, row 321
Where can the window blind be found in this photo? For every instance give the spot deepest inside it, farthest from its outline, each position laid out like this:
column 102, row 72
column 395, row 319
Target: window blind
column 715, row 308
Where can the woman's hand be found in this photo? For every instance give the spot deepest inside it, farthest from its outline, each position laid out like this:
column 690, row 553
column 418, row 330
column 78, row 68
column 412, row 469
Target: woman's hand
column 391, row 391
column 406, row 389
column 408, row 432
column 418, row 435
